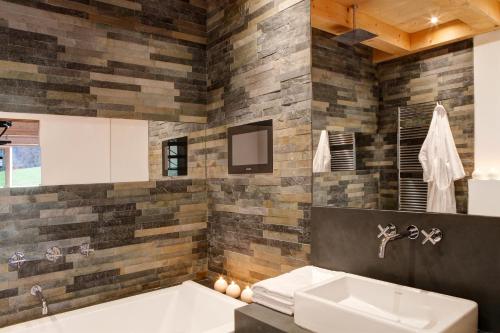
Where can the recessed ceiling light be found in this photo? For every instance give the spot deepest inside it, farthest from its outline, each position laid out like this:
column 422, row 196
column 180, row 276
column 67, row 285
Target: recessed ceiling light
column 434, row 20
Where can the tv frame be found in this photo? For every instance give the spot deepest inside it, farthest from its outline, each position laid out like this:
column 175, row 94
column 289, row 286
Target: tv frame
column 266, row 125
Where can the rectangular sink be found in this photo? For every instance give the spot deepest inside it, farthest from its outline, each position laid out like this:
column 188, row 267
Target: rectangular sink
column 355, row 304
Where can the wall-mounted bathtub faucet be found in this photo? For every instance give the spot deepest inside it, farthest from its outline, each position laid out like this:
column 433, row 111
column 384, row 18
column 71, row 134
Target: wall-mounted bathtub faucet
column 36, row 291
column 85, row 249
column 390, row 234
column 53, row 254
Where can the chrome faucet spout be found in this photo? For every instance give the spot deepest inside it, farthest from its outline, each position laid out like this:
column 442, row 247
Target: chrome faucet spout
column 384, row 242
column 36, row 291
column 45, row 309
column 389, row 234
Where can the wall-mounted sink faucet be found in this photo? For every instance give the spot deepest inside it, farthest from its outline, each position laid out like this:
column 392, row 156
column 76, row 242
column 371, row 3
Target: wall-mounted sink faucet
column 433, row 237
column 36, row 291
column 389, row 234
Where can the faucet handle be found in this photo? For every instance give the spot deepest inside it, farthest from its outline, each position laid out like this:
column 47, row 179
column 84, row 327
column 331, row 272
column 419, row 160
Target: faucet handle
column 53, row 254
column 388, row 231
column 434, row 236
column 85, row 249
column 17, row 260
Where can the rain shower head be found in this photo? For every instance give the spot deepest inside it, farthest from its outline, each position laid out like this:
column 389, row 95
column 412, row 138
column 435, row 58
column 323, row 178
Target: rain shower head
column 356, row 35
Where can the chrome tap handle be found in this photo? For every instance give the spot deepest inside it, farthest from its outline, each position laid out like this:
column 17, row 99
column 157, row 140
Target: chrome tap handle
column 388, row 231
column 17, row 260
column 85, row 249
column 434, row 236
column 53, row 254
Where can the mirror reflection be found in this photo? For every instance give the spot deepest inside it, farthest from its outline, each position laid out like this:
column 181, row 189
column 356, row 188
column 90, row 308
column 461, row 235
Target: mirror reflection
column 20, row 154
column 46, row 150
column 370, row 122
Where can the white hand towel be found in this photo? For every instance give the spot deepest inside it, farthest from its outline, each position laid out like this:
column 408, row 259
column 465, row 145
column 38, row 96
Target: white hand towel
column 322, row 158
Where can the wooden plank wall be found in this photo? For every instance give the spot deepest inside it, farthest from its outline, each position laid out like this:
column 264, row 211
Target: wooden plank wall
column 138, row 59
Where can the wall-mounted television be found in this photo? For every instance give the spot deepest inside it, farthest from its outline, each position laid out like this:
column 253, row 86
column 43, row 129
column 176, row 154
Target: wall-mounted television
column 251, row 148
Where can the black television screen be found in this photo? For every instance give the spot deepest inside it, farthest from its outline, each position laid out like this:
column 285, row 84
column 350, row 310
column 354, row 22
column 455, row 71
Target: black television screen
column 251, row 148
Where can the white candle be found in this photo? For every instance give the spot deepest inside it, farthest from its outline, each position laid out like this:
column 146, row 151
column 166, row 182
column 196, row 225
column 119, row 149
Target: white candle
column 246, row 295
column 220, row 285
column 233, row 290
column 494, row 174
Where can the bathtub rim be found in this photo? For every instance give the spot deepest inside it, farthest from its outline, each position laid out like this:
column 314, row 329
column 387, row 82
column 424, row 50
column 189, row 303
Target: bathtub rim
column 99, row 306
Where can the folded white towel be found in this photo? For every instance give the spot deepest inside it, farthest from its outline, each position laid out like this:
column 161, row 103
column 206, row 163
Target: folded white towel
column 273, row 304
column 278, row 292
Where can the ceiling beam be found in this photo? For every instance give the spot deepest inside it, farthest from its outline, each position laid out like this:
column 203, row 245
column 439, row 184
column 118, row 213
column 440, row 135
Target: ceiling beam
column 444, row 33
column 475, row 16
column 433, row 37
column 479, row 14
column 336, row 18
column 490, row 9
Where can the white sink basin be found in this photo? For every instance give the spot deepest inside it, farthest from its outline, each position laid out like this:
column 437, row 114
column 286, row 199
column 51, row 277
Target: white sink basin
column 355, row 304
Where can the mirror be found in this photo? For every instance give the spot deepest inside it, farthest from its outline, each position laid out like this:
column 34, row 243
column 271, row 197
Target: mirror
column 20, row 155
column 377, row 116
column 48, row 150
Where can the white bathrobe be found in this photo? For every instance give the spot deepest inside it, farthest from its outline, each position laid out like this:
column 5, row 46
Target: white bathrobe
column 322, row 158
column 441, row 164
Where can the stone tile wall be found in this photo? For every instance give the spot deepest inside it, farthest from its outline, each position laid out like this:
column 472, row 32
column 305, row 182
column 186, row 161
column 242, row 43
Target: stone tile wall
column 347, row 189
column 259, row 68
column 346, row 99
column 160, row 131
column 141, row 59
column 146, row 235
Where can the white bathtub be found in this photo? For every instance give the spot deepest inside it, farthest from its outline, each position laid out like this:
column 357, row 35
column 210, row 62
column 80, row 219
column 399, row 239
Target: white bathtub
column 187, row 308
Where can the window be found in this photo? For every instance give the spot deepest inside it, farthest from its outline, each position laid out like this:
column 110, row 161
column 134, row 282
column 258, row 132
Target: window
column 20, row 158
column 175, row 157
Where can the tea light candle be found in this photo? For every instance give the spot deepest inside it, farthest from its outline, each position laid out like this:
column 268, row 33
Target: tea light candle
column 493, row 174
column 246, row 295
column 220, row 285
column 233, row 290
column 479, row 174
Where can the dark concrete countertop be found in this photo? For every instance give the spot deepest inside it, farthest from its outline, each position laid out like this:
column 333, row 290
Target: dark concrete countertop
column 255, row 318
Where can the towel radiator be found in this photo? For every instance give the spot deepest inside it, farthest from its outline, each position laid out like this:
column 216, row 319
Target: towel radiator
column 342, row 151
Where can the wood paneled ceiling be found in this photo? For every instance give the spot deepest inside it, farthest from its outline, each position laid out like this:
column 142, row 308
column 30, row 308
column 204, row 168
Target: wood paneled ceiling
column 404, row 26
